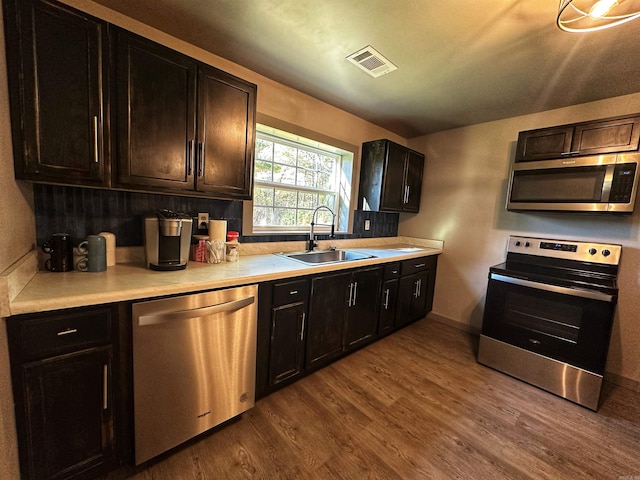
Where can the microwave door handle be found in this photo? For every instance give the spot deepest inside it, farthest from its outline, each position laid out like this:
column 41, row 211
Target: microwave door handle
column 606, row 184
column 574, row 292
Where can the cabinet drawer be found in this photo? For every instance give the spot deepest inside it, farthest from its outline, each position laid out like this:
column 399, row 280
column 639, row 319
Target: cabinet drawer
column 391, row 270
column 290, row 292
column 58, row 333
column 414, row 265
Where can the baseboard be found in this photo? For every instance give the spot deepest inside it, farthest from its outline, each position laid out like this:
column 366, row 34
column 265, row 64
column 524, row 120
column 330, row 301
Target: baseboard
column 454, row 323
column 622, row 381
column 610, row 377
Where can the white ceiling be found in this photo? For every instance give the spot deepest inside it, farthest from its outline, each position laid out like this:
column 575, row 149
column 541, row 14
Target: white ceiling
column 460, row 62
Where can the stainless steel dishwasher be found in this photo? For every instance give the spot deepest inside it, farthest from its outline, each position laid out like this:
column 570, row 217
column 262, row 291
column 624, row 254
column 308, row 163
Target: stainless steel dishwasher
column 194, row 363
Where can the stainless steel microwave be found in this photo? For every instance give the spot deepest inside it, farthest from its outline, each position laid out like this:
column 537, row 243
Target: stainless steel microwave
column 599, row 183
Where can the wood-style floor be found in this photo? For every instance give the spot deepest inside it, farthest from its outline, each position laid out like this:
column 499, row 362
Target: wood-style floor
column 415, row 405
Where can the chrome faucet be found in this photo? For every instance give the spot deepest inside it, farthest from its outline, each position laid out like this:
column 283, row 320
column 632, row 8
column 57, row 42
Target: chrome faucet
column 311, row 243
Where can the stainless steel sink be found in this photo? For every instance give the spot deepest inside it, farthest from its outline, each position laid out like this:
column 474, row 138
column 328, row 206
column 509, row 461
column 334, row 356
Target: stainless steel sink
column 325, row 256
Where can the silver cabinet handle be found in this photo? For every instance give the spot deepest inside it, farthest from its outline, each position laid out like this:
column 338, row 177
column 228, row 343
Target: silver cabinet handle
column 420, row 265
column 96, row 157
column 190, row 154
column 350, row 294
column 193, row 313
column 68, row 331
column 304, row 317
column 419, row 287
column 416, row 289
column 105, row 386
column 386, row 299
column 293, row 292
column 575, row 292
column 355, row 292
column 200, row 158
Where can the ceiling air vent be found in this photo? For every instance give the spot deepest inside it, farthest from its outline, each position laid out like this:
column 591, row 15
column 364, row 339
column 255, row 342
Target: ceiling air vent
column 371, row 61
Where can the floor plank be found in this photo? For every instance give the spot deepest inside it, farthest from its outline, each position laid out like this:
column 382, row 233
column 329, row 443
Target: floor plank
column 415, row 405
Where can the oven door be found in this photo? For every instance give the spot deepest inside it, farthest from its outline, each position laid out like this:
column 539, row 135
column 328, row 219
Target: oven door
column 566, row 324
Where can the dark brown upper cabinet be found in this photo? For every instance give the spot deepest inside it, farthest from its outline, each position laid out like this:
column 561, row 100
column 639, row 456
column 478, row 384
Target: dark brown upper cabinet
column 182, row 126
column 611, row 135
column 57, row 60
column 390, row 177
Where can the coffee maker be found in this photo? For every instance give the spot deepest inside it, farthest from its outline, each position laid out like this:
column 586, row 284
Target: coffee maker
column 167, row 240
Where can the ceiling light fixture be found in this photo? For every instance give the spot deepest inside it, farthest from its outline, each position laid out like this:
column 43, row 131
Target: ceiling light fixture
column 592, row 15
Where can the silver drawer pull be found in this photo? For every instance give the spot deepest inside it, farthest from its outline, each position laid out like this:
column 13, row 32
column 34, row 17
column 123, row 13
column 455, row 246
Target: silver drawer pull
column 293, row 292
column 67, row 331
column 420, row 265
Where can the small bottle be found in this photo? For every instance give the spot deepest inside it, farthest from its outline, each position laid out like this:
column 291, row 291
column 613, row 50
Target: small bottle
column 232, row 246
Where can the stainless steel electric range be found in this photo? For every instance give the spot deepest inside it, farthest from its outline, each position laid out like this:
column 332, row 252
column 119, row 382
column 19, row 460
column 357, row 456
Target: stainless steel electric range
column 548, row 315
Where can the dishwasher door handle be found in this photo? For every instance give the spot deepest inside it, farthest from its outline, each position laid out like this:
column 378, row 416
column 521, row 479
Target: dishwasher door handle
column 164, row 317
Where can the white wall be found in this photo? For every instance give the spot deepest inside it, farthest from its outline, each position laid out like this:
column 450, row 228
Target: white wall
column 463, row 203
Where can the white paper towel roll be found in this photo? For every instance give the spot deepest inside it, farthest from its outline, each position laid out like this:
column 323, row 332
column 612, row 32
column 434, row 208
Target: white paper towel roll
column 218, row 230
column 110, row 247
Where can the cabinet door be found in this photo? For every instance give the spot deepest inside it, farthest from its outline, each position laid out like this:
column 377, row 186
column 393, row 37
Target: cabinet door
column 544, row 143
column 57, row 76
column 287, row 346
column 226, row 134
column 610, row 136
column 68, row 407
column 393, row 186
column 327, row 306
column 388, row 306
column 156, row 115
column 413, row 297
column 413, row 181
column 362, row 313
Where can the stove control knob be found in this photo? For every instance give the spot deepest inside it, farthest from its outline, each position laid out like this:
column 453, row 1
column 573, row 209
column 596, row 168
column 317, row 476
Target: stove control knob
column 518, row 243
column 592, row 251
column 606, row 252
column 527, row 244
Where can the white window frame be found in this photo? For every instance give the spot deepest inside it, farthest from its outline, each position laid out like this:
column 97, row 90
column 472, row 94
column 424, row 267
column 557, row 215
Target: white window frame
column 345, row 191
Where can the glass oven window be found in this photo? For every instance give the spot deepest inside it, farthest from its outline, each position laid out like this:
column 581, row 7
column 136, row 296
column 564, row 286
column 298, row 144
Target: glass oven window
column 556, row 319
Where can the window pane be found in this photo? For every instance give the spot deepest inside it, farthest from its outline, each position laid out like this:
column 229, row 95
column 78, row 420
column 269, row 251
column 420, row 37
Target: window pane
column 285, row 216
column 283, row 174
column 325, row 181
column 263, row 171
column 285, row 154
column 328, row 200
column 304, row 217
column 306, row 178
column 264, row 149
column 308, row 200
column 286, row 198
column 263, row 196
column 327, row 165
column 262, row 216
column 324, row 217
column 308, row 160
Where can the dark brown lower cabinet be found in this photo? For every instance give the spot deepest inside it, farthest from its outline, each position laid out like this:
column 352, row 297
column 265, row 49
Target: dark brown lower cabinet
column 388, row 306
column 63, row 384
column 416, row 285
column 343, row 313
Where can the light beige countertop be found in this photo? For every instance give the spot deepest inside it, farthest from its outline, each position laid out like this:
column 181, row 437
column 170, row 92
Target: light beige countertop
column 46, row 291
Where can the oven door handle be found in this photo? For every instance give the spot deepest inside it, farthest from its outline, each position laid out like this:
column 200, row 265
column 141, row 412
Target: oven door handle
column 593, row 295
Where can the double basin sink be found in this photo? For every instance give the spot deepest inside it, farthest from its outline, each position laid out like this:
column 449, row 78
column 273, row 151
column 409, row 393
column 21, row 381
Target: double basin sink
column 316, row 257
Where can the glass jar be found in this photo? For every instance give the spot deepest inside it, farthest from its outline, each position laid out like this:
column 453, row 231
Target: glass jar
column 232, row 246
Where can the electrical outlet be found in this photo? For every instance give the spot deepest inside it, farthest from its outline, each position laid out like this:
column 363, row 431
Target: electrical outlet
column 203, row 220
column 367, row 225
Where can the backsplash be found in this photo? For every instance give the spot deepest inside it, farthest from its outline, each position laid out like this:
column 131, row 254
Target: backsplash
column 85, row 211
